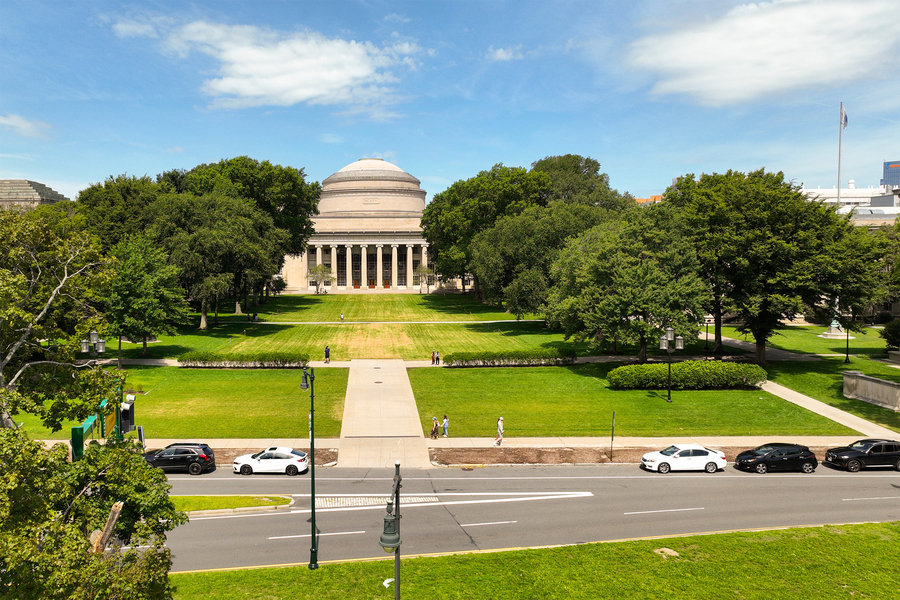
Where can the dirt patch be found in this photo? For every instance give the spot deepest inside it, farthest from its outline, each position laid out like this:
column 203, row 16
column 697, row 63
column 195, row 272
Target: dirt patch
column 226, row 456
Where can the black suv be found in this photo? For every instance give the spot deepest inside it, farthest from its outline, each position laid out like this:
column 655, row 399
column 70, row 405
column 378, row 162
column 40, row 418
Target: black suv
column 865, row 453
column 777, row 457
column 193, row 457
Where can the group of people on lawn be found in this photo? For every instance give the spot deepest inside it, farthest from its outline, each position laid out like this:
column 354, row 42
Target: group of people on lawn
column 436, row 429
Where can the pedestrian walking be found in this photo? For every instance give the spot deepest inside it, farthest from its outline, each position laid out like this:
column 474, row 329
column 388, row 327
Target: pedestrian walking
column 446, row 426
column 327, row 355
column 435, row 428
column 342, row 317
column 499, row 440
column 432, row 357
column 437, row 358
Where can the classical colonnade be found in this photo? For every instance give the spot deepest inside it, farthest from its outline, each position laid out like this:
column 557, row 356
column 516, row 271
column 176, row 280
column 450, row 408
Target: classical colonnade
column 376, row 265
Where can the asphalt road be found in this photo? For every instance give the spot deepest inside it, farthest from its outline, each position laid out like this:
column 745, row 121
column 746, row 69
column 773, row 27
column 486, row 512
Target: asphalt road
column 453, row 510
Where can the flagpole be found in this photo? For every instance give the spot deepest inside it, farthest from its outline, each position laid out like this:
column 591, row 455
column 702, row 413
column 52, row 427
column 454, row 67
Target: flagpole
column 840, row 139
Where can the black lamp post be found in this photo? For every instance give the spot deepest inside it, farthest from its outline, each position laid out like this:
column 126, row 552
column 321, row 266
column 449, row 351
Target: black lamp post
column 847, row 355
column 665, row 343
column 310, row 385
column 390, row 537
column 95, row 345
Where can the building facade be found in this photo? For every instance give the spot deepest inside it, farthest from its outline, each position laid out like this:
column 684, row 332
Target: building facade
column 24, row 193
column 891, row 175
column 367, row 232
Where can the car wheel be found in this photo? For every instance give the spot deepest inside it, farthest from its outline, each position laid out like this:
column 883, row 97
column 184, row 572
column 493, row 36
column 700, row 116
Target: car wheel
column 897, row 466
column 195, row 468
column 807, row 467
column 664, row 468
column 853, row 466
column 291, row 470
column 246, row 470
column 761, row 468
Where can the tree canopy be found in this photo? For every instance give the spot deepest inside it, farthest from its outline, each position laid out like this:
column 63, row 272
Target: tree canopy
column 117, row 207
column 577, row 179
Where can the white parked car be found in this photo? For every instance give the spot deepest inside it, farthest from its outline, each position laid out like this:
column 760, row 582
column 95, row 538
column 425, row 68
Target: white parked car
column 277, row 459
column 684, row 457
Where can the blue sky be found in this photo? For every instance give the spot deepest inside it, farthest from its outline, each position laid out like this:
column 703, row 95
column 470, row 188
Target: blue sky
column 651, row 89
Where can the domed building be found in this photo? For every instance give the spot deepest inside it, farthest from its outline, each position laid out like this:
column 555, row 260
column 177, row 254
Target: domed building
column 367, row 231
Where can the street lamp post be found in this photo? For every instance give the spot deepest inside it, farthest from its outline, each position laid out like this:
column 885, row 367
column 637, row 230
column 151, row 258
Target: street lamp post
column 707, row 319
column 310, row 385
column 95, row 345
column 390, row 537
column 665, row 343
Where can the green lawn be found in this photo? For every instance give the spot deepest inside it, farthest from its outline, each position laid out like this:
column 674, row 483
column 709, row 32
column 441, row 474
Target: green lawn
column 804, row 340
column 225, row 403
column 371, row 307
column 825, row 563
column 189, row 503
column 823, row 381
column 413, row 341
column 575, row 401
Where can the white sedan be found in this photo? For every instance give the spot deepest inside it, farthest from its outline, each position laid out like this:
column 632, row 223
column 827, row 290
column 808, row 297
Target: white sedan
column 684, row 457
column 276, row 459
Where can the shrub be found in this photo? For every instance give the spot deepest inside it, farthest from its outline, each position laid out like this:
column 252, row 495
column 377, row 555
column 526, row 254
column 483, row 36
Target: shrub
column 258, row 360
column 891, row 334
column 882, row 317
column 687, row 375
column 512, row 358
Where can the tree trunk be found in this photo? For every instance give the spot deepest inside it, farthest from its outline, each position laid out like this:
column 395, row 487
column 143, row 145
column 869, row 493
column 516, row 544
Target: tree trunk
column 760, row 357
column 642, row 353
column 119, row 367
column 144, row 350
column 6, row 421
column 216, row 316
column 203, row 311
column 717, row 325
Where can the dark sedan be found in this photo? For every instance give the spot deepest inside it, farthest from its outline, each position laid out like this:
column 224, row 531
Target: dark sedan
column 865, row 453
column 192, row 459
column 777, row 457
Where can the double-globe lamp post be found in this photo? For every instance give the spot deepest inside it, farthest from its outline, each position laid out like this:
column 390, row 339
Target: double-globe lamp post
column 390, row 537
column 308, row 383
column 665, row 343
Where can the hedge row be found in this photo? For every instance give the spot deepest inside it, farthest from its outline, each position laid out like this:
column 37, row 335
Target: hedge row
column 258, row 360
column 688, row 375
column 511, row 358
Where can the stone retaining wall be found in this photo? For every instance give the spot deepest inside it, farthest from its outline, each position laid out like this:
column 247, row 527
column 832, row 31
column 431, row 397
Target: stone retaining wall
column 872, row 390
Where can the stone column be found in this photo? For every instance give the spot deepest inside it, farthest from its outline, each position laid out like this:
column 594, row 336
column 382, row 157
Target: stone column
column 304, row 271
column 379, row 267
column 409, row 267
column 394, row 266
column 318, row 255
column 349, row 267
column 363, row 268
column 334, row 272
column 425, row 262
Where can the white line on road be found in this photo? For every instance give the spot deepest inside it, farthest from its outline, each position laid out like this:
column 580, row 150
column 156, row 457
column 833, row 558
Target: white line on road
column 647, row 512
column 287, row 537
column 480, row 524
column 881, row 498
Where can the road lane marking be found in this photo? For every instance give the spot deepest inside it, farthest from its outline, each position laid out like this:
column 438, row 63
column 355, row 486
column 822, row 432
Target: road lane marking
column 480, row 524
column 879, row 498
column 647, row 512
column 287, row 537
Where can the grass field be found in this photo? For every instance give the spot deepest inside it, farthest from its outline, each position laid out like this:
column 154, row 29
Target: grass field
column 223, row 403
column 189, row 503
column 823, row 381
column 575, row 401
column 804, row 340
column 825, row 563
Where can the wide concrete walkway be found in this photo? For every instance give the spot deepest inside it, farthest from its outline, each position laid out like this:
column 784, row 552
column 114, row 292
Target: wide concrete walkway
column 381, row 422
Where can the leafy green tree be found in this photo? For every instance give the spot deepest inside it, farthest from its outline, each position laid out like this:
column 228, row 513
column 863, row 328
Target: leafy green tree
column 144, row 298
column 49, row 508
column 577, row 180
column 512, row 259
column 49, row 293
column 627, row 281
column 117, row 207
column 768, row 251
column 320, row 274
column 453, row 217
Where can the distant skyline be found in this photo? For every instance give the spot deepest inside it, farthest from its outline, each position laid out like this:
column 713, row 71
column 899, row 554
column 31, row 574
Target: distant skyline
column 652, row 90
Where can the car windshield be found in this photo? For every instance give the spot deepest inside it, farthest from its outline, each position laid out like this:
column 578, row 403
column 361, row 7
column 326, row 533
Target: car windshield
column 257, row 455
column 762, row 450
column 860, row 445
column 669, row 451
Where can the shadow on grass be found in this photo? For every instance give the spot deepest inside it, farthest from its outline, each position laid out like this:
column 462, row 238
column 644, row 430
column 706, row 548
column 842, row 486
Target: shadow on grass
column 458, row 304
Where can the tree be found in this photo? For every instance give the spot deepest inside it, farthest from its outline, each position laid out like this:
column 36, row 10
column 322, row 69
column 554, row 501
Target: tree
column 512, row 259
column 768, row 251
column 320, row 274
column 49, row 286
column 577, row 180
column 627, row 282
column 49, row 508
column 453, row 217
column 144, row 298
column 117, row 207
column 424, row 272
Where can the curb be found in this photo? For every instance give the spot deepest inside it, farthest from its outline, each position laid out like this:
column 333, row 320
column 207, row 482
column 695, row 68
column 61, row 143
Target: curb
column 242, row 509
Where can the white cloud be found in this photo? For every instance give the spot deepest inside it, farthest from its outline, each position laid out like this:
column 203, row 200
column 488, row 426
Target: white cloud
column 175, row 150
column 771, row 47
column 24, row 127
column 129, row 28
column 330, row 138
column 259, row 67
column 503, row 54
